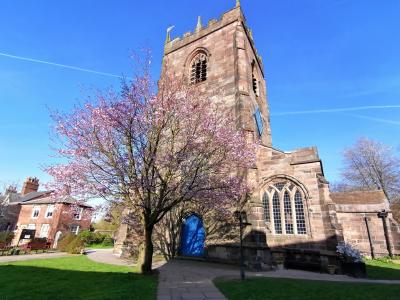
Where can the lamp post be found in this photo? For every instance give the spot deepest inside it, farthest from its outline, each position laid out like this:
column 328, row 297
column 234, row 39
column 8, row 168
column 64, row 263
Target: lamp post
column 241, row 216
column 383, row 215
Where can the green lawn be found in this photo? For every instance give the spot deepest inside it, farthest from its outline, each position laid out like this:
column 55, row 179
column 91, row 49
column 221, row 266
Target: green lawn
column 73, row 278
column 285, row 289
column 378, row 269
column 98, row 246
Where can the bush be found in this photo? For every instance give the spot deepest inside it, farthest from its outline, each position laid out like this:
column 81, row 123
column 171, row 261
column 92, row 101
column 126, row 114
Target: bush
column 65, row 241
column 89, row 237
column 76, row 246
column 108, row 241
column 6, row 237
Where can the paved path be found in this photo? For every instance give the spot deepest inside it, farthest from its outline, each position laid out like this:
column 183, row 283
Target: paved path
column 107, row 256
column 185, row 279
column 11, row 258
column 182, row 279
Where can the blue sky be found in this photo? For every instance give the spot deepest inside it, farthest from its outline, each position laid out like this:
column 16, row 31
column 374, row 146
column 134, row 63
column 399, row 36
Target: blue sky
column 318, row 55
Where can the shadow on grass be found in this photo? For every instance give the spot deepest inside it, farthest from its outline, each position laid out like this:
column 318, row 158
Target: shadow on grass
column 27, row 282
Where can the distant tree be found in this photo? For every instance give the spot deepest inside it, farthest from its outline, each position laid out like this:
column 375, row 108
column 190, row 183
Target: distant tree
column 111, row 220
column 151, row 151
column 372, row 165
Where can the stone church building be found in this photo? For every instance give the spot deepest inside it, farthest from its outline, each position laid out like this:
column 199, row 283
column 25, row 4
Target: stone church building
column 291, row 208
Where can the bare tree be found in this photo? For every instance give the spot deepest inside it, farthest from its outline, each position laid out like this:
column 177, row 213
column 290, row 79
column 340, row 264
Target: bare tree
column 372, row 165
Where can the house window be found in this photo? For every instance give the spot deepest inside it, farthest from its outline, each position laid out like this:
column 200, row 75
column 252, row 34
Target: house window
column 78, row 213
column 36, row 211
column 198, row 68
column 49, row 211
column 265, row 201
column 259, row 122
column 288, row 214
column 44, row 231
column 74, row 229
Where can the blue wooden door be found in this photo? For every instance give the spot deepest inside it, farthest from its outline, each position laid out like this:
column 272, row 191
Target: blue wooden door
column 193, row 237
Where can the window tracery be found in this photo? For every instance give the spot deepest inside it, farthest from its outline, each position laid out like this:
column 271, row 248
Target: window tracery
column 284, row 208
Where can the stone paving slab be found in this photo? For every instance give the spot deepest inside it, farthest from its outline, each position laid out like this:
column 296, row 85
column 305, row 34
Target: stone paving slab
column 23, row 257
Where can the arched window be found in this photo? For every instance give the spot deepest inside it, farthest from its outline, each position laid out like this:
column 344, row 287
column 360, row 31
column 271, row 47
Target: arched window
column 276, row 208
column 198, row 68
column 265, row 201
column 286, row 200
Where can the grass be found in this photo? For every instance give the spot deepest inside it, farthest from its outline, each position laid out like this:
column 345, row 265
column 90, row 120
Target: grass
column 74, row 277
column 382, row 269
column 99, row 246
column 285, row 289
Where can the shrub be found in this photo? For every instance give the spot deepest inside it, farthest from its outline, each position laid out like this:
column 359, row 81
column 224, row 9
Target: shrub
column 89, row 237
column 76, row 246
column 6, row 237
column 65, row 241
column 108, row 241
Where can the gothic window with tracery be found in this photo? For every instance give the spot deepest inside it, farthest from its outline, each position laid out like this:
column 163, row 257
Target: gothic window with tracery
column 198, row 71
column 287, row 215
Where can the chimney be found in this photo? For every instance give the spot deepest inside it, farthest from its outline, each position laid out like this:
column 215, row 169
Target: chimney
column 31, row 184
column 11, row 190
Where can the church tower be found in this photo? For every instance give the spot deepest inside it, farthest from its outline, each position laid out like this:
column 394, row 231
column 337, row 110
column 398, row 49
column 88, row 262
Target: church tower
column 221, row 58
column 290, row 204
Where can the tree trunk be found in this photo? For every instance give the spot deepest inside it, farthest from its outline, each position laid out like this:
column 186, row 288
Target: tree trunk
column 148, row 251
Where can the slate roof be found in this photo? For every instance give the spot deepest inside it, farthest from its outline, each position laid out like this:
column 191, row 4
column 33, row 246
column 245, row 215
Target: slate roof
column 42, row 197
column 47, row 199
column 359, row 197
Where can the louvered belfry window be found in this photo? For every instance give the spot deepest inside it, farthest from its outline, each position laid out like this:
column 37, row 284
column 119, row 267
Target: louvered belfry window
column 198, row 72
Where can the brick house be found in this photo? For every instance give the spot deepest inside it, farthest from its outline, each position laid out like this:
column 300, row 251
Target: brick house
column 291, row 206
column 51, row 218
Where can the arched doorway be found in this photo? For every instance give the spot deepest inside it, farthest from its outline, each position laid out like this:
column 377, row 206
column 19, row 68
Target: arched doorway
column 193, row 237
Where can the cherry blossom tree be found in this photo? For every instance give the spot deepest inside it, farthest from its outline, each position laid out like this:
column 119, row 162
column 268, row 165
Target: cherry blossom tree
column 151, row 151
